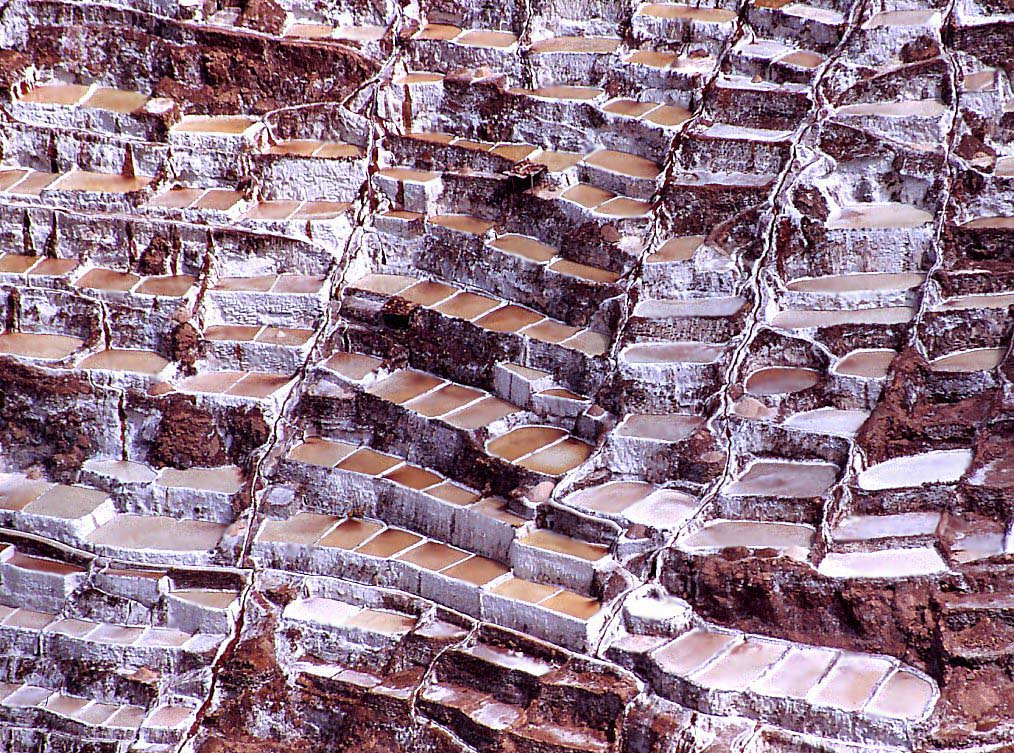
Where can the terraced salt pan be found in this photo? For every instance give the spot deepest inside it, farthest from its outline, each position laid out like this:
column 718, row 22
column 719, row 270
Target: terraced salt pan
column 815, row 319
column 691, row 651
column 704, row 307
column 869, row 527
column 871, row 363
column 885, row 215
column 796, row 673
column 677, row 352
column 666, row 509
column 971, row 302
column 741, row 665
column 850, row 682
column 780, row 380
column 123, row 471
column 724, row 534
column 833, row 421
column 903, row 18
column 905, row 695
column 673, row 11
column 666, row 428
column 883, row 563
column 677, row 249
column 967, row 361
column 42, row 346
column 784, row 478
column 934, row 467
column 614, row 497
column 857, row 283
column 157, row 533
column 919, row 108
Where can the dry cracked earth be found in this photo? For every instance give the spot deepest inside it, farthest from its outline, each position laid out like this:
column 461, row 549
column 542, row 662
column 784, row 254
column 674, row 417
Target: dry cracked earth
column 543, row 377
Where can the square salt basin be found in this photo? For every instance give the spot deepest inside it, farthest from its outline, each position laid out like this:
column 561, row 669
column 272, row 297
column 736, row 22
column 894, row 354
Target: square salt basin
column 724, row 534
column 206, row 597
column 525, row 247
column 72, row 628
column 160, row 637
column 520, row 589
column 222, row 125
column 428, row 293
column 321, row 610
column 611, row 498
column 107, row 279
column 905, row 695
column 178, row 197
column 413, row 477
column 56, row 93
column 16, row 263
column 170, row 286
column 127, row 717
column 29, row 619
column 33, row 184
column 116, row 100
column 45, row 347
column 135, row 361
column 16, row 491
column 551, row 541
column 211, row 381
column 558, row 458
column 257, row 385
column 285, row 337
column 389, row 542
column 271, row 210
column 377, row 621
column 43, row 565
column 479, row 414
column 448, row 398
column 350, row 533
column 549, row 331
column 118, row 634
column 404, row 385
column 219, row 199
column 303, row 528
column 68, row 502
column 157, row 533
column 850, row 682
column 382, row 284
column 784, row 479
column 226, row 479
column 476, row 570
column 353, row 365
column 691, row 651
column 508, row 319
column 294, row 284
column 53, row 267
column 453, row 493
column 9, row 178
column 323, row 452
column 467, row 306
column 28, row 696
column 523, row 440
column 65, row 705
column 321, row 210
column 433, row 555
column 95, row 713
column 572, row 604
column 81, row 180
column 369, row 462
column 743, row 664
column 258, row 284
